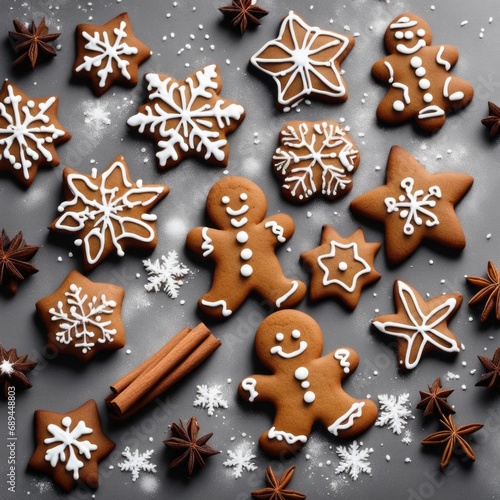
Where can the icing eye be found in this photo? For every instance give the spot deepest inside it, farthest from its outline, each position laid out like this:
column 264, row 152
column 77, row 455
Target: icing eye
column 409, row 35
column 279, row 337
column 421, row 33
column 399, row 35
column 225, row 200
column 296, row 334
column 243, row 197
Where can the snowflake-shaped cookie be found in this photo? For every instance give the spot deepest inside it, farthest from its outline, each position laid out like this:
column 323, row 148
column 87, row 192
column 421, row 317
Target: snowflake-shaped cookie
column 29, row 133
column 109, row 53
column 188, row 118
column 394, row 412
column 240, row 460
column 70, row 445
column 353, row 460
column 108, row 212
column 304, row 61
column 315, row 158
column 83, row 317
column 209, row 398
column 136, row 462
column 166, row 275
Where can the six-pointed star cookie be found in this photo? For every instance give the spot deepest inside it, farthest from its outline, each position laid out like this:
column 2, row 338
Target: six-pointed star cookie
column 70, row 445
column 415, row 205
column 108, row 212
column 304, row 61
column 341, row 267
column 188, row 118
column 29, row 133
column 420, row 325
column 82, row 317
column 108, row 54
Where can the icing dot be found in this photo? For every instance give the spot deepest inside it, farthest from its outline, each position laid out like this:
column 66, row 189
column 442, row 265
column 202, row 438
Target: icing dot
column 305, row 384
column 428, row 97
column 246, row 254
column 246, row 270
column 420, row 72
column 301, row 373
column 398, row 105
column 424, row 84
column 421, row 33
column 279, row 337
column 243, row 197
column 296, row 334
column 399, row 35
column 225, row 200
column 409, row 35
column 309, row 397
column 343, row 266
column 242, row 237
column 416, row 62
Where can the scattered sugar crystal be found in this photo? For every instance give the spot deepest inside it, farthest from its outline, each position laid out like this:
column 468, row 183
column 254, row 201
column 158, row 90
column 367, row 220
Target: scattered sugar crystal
column 388, row 458
column 473, row 372
column 464, row 363
column 488, row 236
column 463, row 23
column 407, row 460
column 137, row 275
column 464, row 387
column 309, row 214
column 128, row 351
column 59, row 259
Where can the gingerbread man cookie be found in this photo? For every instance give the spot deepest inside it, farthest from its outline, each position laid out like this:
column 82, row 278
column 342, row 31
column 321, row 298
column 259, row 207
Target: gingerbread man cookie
column 418, row 73
column 243, row 249
column 303, row 386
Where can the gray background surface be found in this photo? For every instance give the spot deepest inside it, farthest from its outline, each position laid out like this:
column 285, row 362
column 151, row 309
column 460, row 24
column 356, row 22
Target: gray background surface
column 150, row 319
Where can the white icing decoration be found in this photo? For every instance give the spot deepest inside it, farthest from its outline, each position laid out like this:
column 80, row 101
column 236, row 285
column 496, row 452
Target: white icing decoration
column 309, row 397
column 422, row 325
column 403, row 22
column 405, row 89
column 421, row 33
column 25, row 131
column 84, row 320
column 399, row 35
column 68, row 441
column 416, row 62
column 249, row 385
column 242, row 237
column 456, row 96
column 296, row 334
column 246, row 254
column 243, row 197
column 409, row 35
column 388, row 65
column 410, row 206
column 398, row 105
column 287, row 436
column 441, row 61
column 279, row 337
column 225, row 200
column 246, row 270
column 403, row 49
column 331, row 255
column 424, row 84
column 420, row 72
column 222, row 303
column 240, row 211
column 276, row 229
column 302, row 62
column 343, row 266
column 239, row 223
column 301, row 373
column 206, row 245
column 284, row 297
column 342, row 355
column 346, row 420
column 430, row 112
column 108, row 214
column 305, row 384
column 428, row 97
column 196, row 123
column 277, row 349
column 108, row 52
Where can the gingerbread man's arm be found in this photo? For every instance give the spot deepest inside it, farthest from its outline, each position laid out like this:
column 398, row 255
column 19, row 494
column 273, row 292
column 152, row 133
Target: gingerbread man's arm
column 257, row 388
column 446, row 56
column 382, row 70
column 281, row 226
column 200, row 241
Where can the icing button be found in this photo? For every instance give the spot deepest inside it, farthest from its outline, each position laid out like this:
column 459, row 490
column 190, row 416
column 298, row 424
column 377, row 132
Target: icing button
column 301, row 373
column 246, row 270
column 246, row 254
column 309, row 397
column 343, row 266
column 242, row 237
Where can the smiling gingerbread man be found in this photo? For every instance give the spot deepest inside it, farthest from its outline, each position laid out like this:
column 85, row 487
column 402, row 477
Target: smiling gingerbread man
column 304, row 387
column 243, row 249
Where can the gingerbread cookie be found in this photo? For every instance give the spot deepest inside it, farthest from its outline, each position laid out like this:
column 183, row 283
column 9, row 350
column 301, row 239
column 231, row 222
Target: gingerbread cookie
column 303, row 386
column 82, row 317
column 315, row 159
column 188, row 118
column 304, row 61
column 70, row 445
column 29, row 133
column 108, row 212
column 108, row 54
column 414, row 206
column 341, row 267
column 421, row 86
column 419, row 325
column 243, row 249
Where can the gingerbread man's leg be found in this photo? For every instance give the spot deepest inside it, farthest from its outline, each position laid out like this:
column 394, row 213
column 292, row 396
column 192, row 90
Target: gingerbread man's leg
column 283, row 293
column 221, row 301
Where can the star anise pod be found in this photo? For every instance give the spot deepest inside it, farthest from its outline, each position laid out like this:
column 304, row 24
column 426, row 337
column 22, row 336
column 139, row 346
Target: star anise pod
column 33, row 41
column 491, row 378
column 14, row 255
column 194, row 450
column 435, row 400
column 451, row 436
column 277, row 489
column 13, row 369
column 493, row 119
column 489, row 293
column 243, row 12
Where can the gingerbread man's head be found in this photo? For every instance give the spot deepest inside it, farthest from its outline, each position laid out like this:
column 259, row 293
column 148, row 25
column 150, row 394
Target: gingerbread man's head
column 407, row 34
column 288, row 338
column 234, row 201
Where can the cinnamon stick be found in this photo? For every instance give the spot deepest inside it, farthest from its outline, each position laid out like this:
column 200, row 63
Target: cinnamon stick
column 179, row 356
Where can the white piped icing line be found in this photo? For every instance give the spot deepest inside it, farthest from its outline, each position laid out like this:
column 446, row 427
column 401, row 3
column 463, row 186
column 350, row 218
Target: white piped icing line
column 276, row 229
column 403, row 22
column 346, row 420
column 456, row 96
column 284, row 297
column 287, row 436
column 342, row 355
column 207, row 243
column 441, row 61
column 277, row 349
column 249, row 385
column 218, row 303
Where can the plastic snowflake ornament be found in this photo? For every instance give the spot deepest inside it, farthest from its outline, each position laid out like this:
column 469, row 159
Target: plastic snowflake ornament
column 136, row 462
column 353, row 460
column 166, row 275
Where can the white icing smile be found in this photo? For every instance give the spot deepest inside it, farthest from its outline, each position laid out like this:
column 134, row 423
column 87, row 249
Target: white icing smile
column 235, row 213
column 277, row 349
column 410, row 50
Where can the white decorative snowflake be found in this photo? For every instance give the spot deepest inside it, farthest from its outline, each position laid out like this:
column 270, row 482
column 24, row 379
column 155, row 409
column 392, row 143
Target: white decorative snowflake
column 413, row 205
column 209, row 397
column 241, row 460
column 83, row 320
column 107, row 51
column 353, row 460
column 310, row 155
column 68, row 440
column 407, row 439
column 394, row 412
column 166, row 274
column 184, row 116
column 25, row 132
column 136, row 462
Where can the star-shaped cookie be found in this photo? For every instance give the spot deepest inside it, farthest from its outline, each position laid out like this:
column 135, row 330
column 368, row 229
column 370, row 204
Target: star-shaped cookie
column 70, row 445
column 420, row 325
column 29, row 133
column 109, row 53
column 108, row 212
column 82, row 317
column 341, row 267
column 188, row 118
column 304, row 61
column 414, row 206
